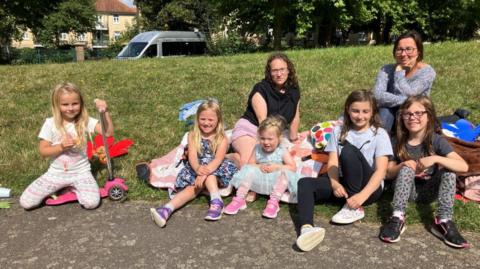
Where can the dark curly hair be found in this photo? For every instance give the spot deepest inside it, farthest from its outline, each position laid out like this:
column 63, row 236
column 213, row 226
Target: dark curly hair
column 292, row 75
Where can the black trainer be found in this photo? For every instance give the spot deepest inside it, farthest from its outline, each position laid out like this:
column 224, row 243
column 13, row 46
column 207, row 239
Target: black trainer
column 391, row 231
column 449, row 233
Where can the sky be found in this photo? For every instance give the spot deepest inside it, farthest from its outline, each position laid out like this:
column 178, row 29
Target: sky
column 128, row 2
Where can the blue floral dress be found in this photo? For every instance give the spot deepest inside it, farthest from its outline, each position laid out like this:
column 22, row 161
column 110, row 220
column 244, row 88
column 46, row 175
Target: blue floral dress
column 186, row 176
column 261, row 182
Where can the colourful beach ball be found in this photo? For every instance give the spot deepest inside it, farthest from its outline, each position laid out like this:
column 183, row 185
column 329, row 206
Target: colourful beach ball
column 321, row 133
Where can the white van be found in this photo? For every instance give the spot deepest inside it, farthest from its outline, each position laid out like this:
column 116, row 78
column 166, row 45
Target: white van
column 164, row 43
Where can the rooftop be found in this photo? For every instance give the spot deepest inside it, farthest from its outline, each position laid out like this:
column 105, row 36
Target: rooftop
column 114, row 6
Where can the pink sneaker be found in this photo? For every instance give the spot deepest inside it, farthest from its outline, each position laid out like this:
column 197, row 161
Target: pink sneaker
column 271, row 209
column 234, row 206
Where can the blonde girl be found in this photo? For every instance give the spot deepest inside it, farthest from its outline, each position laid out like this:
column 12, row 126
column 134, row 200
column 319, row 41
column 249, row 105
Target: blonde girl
column 424, row 168
column 357, row 165
column 270, row 170
column 206, row 168
column 63, row 139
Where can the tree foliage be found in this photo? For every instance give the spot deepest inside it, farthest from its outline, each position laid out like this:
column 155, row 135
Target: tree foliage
column 78, row 16
column 179, row 15
column 46, row 18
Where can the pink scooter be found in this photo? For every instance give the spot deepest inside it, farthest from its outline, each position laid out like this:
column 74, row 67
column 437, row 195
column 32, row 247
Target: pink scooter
column 114, row 188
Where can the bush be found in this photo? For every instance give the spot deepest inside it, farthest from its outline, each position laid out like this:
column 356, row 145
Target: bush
column 50, row 55
column 108, row 53
column 232, row 44
column 42, row 55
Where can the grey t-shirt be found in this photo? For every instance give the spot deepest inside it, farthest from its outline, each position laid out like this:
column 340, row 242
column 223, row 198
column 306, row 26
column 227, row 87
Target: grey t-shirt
column 441, row 147
column 371, row 145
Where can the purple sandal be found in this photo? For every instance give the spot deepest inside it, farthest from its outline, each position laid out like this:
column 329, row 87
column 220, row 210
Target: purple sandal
column 215, row 210
column 160, row 215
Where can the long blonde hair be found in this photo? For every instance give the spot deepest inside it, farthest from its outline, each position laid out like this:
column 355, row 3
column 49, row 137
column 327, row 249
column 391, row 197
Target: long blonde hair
column 403, row 134
column 81, row 119
column 213, row 105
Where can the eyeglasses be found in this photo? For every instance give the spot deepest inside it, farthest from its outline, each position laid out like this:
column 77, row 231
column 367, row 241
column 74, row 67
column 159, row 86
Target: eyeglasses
column 408, row 50
column 416, row 114
column 279, row 71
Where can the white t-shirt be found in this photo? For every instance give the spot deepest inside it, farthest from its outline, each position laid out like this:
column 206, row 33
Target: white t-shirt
column 370, row 144
column 71, row 161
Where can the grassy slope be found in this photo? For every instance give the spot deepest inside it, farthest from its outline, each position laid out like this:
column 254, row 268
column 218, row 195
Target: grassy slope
column 145, row 95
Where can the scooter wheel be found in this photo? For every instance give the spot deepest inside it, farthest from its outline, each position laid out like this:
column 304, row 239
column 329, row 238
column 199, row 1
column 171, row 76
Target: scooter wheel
column 116, row 193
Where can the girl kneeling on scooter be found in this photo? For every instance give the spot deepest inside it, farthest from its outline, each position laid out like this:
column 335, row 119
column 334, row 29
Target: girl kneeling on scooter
column 63, row 139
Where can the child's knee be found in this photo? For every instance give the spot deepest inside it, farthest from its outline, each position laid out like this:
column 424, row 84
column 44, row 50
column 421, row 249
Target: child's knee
column 91, row 202
column 28, row 201
column 406, row 173
column 304, row 184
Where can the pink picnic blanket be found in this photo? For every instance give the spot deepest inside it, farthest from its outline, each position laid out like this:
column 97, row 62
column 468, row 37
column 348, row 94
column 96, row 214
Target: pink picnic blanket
column 164, row 170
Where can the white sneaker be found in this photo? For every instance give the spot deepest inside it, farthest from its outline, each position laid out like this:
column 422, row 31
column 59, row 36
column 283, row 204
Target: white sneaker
column 347, row 215
column 310, row 237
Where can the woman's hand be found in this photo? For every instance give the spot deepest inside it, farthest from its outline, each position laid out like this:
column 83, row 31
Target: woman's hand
column 356, row 201
column 101, row 105
column 297, row 139
column 407, row 66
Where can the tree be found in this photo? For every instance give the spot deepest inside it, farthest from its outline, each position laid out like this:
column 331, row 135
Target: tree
column 255, row 16
column 179, row 15
column 19, row 15
column 78, row 16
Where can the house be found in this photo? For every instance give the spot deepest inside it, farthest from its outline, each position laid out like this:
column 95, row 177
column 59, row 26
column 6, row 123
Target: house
column 113, row 18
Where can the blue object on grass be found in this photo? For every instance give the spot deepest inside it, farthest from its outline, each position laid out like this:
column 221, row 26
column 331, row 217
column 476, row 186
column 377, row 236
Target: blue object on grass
column 189, row 109
column 462, row 129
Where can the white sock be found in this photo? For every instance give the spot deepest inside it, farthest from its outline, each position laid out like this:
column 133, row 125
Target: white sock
column 443, row 220
column 169, row 206
column 399, row 214
column 305, row 227
column 215, row 195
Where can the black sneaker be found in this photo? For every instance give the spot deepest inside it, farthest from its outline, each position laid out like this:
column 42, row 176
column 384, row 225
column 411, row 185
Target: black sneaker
column 391, row 231
column 449, row 233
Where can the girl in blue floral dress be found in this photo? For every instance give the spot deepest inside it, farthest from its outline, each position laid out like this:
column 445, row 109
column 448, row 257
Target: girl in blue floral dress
column 206, row 168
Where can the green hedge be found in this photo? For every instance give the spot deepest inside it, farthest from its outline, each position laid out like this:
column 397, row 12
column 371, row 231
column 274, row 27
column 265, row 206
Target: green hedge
column 48, row 55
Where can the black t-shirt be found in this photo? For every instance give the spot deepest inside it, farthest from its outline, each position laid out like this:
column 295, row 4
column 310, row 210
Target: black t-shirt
column 283, row 104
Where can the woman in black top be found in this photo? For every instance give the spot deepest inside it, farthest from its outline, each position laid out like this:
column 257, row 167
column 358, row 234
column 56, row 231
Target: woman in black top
column 277, row 94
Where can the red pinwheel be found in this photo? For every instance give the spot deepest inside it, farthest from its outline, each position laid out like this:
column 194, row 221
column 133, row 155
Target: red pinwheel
column 97, row 149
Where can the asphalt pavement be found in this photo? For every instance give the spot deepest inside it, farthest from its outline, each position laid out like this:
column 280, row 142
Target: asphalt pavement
column 122, row 235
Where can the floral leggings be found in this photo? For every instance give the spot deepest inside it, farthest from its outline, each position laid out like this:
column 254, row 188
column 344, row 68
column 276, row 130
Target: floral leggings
column 442, row 184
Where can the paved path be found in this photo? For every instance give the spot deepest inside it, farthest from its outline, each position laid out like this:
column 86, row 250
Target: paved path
column 121, row 235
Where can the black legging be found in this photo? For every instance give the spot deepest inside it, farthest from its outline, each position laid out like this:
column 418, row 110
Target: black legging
column 356, row 173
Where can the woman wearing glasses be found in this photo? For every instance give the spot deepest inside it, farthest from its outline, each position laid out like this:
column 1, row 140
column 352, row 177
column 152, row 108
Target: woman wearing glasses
column 409, row 76
column 277, row 94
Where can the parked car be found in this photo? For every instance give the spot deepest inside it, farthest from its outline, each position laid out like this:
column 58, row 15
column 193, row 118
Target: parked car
column 164, row 43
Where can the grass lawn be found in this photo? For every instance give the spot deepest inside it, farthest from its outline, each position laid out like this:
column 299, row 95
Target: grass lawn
column 144, row 97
